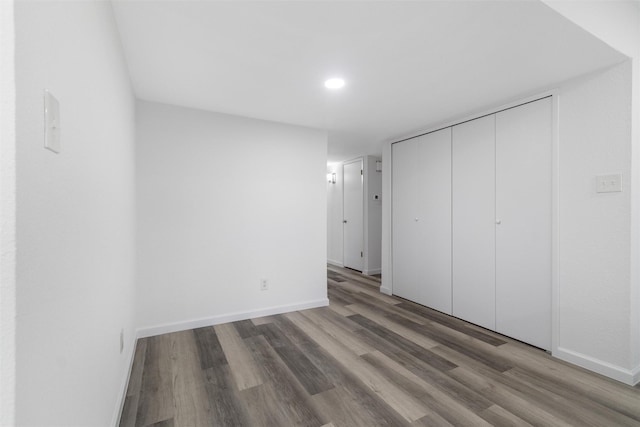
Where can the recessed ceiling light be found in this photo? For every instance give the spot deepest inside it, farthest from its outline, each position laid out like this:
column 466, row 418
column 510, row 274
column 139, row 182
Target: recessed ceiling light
column 334, row 83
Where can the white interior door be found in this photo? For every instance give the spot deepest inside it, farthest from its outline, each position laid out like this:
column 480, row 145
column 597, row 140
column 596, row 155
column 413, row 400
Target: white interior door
column 474, row 221
column 353, row 218
column 421, row 219
column 523, row 238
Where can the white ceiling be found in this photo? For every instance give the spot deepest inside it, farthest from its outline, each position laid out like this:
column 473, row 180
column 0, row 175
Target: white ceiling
column 408, row 65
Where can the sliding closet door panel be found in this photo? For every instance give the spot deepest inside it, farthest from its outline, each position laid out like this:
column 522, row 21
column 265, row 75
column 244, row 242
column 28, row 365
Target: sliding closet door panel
column 435, row 220
column 422, row 219
column 474, row 221
column 523, row 239
column 407, row 239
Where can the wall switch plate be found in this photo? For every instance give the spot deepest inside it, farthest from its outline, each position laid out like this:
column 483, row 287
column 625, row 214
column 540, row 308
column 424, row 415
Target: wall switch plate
column 121, row 340
column 264, row 285
column 51, row 123
column 609, row 183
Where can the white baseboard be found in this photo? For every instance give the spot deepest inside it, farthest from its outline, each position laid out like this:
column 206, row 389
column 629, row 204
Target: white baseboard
column 372, row 272
column 125, row 383
column 226, row 318
column 385, row 291
column 198, row 323
column 627, row 376
column 336, row 263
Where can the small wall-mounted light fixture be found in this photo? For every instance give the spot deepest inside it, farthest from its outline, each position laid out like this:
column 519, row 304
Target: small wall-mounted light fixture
column 331, row 177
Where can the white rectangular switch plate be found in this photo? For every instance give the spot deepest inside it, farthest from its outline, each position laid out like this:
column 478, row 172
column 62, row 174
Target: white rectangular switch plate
column 51, row 123
column 609, row 183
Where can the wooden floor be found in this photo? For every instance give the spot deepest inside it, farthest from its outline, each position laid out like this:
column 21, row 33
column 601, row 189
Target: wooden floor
column 366, row 360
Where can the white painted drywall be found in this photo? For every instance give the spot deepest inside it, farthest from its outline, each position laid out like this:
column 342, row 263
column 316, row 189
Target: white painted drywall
column 372, row 216
column 335, row 231
column 76, row 216
column 7, row 216
column 594, row 229
column 618, row 24
column 223, row 202
column 389, row 40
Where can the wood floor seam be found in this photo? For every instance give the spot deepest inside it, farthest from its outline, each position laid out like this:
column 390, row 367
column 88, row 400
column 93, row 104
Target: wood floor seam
column 369, row 359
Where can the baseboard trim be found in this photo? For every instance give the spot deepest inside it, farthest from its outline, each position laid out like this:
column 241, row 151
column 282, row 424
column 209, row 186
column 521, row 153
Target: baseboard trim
column 627, row 376
column 230, row 317
column 635, row 377
column 125, row 384
column 385, row 291
column 336, row 263
column 197, row 323
column 372, row 272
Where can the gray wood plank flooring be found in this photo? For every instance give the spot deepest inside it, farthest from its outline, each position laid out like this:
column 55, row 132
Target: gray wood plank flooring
column 367, row 360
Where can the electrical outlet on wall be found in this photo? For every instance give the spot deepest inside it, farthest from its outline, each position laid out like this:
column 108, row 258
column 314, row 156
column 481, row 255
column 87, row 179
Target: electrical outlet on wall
column 609, row 183
column 264, row 285
column 121, row 340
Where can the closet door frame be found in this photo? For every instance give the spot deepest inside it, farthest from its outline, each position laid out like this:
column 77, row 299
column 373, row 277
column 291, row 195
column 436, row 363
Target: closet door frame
column 387, row 264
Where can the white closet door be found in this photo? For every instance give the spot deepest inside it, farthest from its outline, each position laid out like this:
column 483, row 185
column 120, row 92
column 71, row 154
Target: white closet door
column 422, row 219
column 523, row 239
column 353, row 216
column 474, row 221
column 407, row 241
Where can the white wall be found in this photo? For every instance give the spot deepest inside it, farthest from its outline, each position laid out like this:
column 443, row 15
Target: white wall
column 594, row 229
column 618, row 24
column 335, row 215
column 7, row 215
column 223, row 202
column 372, row 216
column 76, row 216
